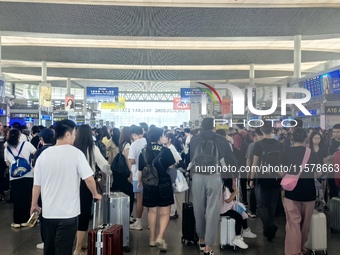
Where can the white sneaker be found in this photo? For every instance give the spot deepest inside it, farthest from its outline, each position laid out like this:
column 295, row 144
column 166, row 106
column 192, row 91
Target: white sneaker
column 40, row 246
column 240, row 243
column 248, row 234
column 136, row 226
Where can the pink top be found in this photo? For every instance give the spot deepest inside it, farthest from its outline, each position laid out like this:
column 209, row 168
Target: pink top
column 226, row 206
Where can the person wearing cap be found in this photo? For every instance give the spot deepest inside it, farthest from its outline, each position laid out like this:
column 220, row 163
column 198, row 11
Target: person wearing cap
column 207, row 187
column 46, row 137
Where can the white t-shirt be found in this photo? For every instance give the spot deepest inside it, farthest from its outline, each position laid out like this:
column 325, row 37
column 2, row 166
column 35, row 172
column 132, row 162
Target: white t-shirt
column 58, row 171
column 226, row 206
column 134, row 152
column 27, row 150
column 175, row 153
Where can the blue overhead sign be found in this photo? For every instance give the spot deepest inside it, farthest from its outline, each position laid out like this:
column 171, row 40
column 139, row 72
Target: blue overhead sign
column 191, row 93
column 102, row 94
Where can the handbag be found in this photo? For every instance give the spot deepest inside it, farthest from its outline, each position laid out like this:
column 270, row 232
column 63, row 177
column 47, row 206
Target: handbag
column 290, row 181
column 180, row 184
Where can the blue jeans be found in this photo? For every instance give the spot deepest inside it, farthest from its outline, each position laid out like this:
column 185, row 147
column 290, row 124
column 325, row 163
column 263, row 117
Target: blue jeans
column 267, row 199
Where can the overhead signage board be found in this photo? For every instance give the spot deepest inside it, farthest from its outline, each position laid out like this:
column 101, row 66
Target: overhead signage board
column 114, row 105
column 181, row 105
column 191, row 94
column 102, row 94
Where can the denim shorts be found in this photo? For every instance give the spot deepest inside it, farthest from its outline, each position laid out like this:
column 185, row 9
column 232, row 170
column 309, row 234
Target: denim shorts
column 135, row 187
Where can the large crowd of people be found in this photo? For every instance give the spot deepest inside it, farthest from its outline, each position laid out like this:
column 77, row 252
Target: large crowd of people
column 65, row 162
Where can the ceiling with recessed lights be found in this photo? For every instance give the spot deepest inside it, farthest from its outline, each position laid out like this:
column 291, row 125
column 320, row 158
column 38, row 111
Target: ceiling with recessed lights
column 131, row 42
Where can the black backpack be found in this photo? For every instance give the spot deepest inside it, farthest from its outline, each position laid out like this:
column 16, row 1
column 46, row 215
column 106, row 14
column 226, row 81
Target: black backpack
column 119, row 165
column 205, row 156
column 101, row 146
column 150, row 172
column 270, row 157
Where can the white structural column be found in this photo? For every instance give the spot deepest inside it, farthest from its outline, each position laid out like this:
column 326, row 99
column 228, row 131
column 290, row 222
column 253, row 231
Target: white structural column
column 44, row 71
column 68, row 86
column 84, row 107
column 297, row 56
column 251, row 75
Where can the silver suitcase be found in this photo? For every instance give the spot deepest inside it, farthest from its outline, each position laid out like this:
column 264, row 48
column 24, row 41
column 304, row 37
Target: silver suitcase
column 317, row 237
column 115, row 209
column 334, row 209
column 227, row 232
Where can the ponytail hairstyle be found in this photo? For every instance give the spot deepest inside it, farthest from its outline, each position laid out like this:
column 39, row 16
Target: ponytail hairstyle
column 13, row 137
column 153, row 137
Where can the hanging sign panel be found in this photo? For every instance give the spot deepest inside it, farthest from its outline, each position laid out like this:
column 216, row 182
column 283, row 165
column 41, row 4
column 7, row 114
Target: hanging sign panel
column 69, row 102
column 102, row 94
column 45, row 94
column 115, row 105
column 181, row 105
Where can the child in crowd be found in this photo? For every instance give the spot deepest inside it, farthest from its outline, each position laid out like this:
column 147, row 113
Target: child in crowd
column 234, row 210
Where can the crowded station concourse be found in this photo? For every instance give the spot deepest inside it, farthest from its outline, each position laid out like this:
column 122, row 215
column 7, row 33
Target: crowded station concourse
column 214, row 125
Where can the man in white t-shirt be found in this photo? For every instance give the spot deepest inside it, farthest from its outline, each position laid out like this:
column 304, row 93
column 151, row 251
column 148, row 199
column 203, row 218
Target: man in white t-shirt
column 134, row 152
column 57, row 175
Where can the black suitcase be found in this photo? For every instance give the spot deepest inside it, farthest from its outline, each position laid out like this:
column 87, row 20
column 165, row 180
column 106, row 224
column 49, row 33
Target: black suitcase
column 189, row 234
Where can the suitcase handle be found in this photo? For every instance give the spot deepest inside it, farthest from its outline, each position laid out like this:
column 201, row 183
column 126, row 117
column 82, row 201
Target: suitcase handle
column 96, row 218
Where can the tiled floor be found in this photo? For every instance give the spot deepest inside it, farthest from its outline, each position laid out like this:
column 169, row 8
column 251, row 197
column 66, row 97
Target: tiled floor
column 23, row 241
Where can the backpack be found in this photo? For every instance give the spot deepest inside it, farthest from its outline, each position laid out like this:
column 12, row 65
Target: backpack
column 270, row 157
column 101, row 146
column 150, row 172
column 119, row 164
column 21, row 165
column 205, row 155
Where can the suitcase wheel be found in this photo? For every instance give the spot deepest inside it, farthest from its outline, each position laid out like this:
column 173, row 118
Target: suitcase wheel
column 325, row 252
column 127, row 249
column 189, row 243
column 312, row 252
column 222, row 247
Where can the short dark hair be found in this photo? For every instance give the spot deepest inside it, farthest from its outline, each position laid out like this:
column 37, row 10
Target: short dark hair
column 221, row 132
column 258, row 132
column 35, row 130
column 16, row 125
column 63, row 126
column 186, row 130
column 299, row 135
column 267, row 127
column 336, row 126
column 207, row 124
column 144, row 126
column 136, row 130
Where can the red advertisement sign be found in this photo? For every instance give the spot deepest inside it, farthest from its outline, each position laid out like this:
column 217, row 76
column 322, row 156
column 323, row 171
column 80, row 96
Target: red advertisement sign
column 225, row 105
column 181, row 105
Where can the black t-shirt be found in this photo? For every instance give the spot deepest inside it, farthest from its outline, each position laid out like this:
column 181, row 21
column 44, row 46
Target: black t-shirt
column 35, row 141
column 259, row 147
column 37, row 154
column 167, row 159
column 333, row 147
column 305, row 188
column 321, row 153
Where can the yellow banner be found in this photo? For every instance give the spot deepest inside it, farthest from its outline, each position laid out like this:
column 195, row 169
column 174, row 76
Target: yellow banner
column 45, row 95
column 114, row 106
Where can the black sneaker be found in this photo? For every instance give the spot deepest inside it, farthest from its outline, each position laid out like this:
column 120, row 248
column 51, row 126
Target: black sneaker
column 175, row 216
column 271, row 234
column 208, row 253
column 202, row 246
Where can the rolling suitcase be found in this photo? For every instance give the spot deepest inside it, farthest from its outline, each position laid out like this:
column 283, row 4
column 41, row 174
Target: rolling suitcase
column 227, row 228
column 334, row 209
column 227, row 234
column 317, row 238
column 117, row 211
column 189, row 234
column 107, row 239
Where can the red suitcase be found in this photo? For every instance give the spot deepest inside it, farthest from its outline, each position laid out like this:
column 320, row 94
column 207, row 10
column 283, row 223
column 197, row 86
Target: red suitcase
column 107, row 239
